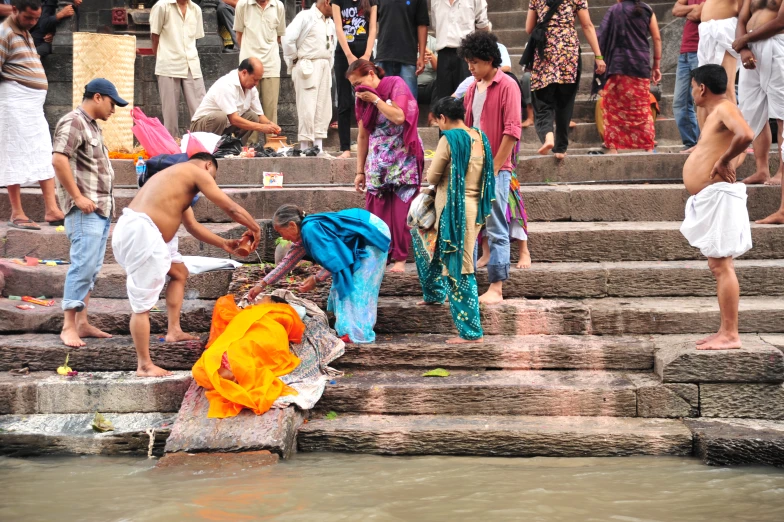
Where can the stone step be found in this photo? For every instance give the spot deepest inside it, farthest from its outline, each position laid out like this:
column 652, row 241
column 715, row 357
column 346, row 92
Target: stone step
column 545, row 393
column 60, row 434
column 738, row 442
column 493, row 435
column 586, row 135
column 104, row 392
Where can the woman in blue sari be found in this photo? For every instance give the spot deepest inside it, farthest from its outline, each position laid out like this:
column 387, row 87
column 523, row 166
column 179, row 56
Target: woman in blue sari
column 351, row 247
column 462, row 171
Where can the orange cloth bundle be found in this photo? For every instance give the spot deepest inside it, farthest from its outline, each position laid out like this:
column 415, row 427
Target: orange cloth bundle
column 256, row 341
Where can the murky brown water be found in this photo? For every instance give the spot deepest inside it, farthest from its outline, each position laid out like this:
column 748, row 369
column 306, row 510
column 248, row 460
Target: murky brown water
column 327, row 487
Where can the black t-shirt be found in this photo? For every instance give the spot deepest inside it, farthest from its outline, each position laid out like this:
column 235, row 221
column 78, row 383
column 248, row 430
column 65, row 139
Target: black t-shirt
column 398, row 21
column 356, row 23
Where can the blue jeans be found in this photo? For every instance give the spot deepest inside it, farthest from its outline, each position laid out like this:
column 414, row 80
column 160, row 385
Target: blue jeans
column 88, row 234
column 497, row 230
column 407, row 72
column 683, row 103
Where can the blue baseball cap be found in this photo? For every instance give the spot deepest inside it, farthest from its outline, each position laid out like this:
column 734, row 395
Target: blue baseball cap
column 107, row 88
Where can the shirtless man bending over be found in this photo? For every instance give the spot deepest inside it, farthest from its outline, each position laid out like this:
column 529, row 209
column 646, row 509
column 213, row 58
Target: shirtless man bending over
column 760, row 42
column 145, row 245
column 717, row 221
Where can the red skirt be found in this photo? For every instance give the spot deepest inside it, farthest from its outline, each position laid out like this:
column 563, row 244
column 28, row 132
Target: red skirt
column 628, row 122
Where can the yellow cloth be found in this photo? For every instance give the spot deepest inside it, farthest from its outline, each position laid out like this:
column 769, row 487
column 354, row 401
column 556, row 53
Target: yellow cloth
column 256, row 341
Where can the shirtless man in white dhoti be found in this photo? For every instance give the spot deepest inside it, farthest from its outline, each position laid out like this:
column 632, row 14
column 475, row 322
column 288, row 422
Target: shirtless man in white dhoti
column 717, row 221
column 760, row 42
column 718, row 21
column 145, row 245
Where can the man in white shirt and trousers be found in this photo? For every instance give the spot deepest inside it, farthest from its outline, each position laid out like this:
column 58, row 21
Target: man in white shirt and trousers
column 175, row 25
column 309, row 52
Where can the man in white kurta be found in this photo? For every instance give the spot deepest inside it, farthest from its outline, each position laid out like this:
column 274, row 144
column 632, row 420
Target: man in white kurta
column 309, row 51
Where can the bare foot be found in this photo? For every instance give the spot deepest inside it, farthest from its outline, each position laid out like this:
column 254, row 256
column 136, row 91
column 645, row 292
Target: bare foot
column 560, row 155
column 179, row 336
column 775, row 180
column 482, row 261
column 460, row 340
column 612, row 151
column 57, row 216
column 525, row 259
column 152, row 371
column 70, row 337
column 572, row 124
column 398, row 267
column 722, row 342
column 777, row 218
column 346, row 155
column 689, row 150
column 428, row 303
column 707, row 339
column 549, row 143
column 88, row 330
column 491, row 297
column 528, row 123
column 758, row 178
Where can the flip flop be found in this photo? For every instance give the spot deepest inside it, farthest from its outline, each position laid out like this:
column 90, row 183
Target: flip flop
column 56, row 223
column 20, row 223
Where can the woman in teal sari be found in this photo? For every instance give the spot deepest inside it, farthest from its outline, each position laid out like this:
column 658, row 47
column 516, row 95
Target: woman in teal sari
column 462, row 171
column 351, row 247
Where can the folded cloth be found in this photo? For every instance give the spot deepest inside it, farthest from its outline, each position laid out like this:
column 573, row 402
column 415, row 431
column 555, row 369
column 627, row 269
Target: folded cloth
column 200, row 264
column 140, row 249
column 717, row 221
column 716, row 38
column 761, row 90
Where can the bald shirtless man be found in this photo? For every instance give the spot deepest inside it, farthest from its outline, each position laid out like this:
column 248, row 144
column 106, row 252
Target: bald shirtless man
column 717, row 221
column 760, row 42
column 145, row 245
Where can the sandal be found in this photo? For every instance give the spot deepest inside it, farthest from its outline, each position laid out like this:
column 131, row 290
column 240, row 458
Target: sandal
column 24, row 224
column 56, row 223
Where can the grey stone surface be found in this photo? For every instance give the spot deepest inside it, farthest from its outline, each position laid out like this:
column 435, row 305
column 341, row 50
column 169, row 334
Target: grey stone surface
column 193, row 432
column 678, row 360
column 576, row 393
column 657, row 400
column 736, row 442
column 496, row 436
column 32, row 435
column 746, row 401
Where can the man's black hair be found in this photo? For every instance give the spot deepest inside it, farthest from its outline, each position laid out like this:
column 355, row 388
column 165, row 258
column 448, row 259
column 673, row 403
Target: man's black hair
column 205, row 156
column 450, row 107
column 89, row 95
column 712, row 76
column 480, row 45
column 22, row 5
column 245, row 65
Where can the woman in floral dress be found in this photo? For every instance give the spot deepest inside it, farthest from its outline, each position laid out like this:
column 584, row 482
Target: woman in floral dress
column 390, row 156
column 555, row 78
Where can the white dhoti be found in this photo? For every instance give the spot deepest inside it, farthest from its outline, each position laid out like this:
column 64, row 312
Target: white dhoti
column 313, row 85
column 761, row 90
column 140, row 249
column 25, row 142
column 717, row 221
column 716, row 38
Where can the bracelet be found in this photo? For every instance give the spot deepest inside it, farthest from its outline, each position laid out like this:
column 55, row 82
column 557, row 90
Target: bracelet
column 360, row 173
column 657, row 58
column 599, row 57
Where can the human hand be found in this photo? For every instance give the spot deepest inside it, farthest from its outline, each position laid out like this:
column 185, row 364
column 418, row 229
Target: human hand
column 420, row 65
column 308, row 285
column 66, row 12
column 230, row 245
column 428, row 56
column 49, row 38
column 77, row 3
column 366, row 56
column 268, row 128
column 86, row 205
column 359, row 183
column 656, row 75
column 724, row 170
column 748, row 59
column 351, row 58
column 255, row 291
column 255, row 236
column 368, row 97
column 600, row 67
column 740, row 43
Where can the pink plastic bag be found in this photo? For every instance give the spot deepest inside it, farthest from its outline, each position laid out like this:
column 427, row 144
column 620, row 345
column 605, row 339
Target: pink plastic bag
column 194, row 146
column 152, row 135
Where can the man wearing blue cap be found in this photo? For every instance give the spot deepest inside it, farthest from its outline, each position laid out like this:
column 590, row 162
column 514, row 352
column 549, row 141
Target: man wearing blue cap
column 85, row 179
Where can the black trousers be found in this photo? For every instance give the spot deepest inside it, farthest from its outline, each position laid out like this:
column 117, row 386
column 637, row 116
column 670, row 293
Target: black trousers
column 452, row 70
column 426, row 94
column 226, row 19
column 345, row 94
column 554, row 105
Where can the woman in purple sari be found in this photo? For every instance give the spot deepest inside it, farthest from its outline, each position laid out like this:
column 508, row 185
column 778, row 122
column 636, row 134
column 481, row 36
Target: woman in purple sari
column 390, row 156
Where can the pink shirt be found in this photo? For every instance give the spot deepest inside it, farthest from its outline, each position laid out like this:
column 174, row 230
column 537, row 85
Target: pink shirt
column 501, row 115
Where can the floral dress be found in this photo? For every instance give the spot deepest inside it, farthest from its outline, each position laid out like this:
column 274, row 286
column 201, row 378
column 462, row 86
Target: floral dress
column 389, row 166
column 562, row 47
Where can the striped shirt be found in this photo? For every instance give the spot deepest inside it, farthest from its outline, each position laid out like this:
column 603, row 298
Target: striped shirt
column 79, row 137
column 296, row 254
column 19, row 61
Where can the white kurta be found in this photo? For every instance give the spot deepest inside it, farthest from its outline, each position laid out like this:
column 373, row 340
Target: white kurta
column 761, row 90
column 716, row 38
column 25, row 142
column 717, row 221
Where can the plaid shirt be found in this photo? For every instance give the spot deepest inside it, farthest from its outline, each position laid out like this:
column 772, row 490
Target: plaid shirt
column 79, row 137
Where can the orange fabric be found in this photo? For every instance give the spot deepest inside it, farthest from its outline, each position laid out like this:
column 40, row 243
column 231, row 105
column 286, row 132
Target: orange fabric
column 256, row 341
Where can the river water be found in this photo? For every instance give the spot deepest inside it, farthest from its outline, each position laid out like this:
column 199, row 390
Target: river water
column 335, row 487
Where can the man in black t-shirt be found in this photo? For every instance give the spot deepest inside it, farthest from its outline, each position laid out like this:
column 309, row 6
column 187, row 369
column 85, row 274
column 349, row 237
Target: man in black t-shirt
column 402, row 38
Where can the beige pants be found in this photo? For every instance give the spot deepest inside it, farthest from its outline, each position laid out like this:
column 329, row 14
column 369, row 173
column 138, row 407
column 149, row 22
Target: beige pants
column 314, row 103
column 218, row 123
column 269, row 93
column 169, row 89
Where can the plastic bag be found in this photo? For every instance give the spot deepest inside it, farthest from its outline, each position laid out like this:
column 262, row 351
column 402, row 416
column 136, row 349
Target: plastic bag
column 194, row 146
column 206, row 139
column 422, row 214
column 227, row 146
column 152, row 135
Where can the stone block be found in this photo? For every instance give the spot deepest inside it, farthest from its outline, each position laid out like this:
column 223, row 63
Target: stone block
column 19, row 394
column 742, row 400
column 201, row 463
column 548, row 203
column 678, row 360
column 667, row 401
column 628, row 203
column 738, row 442
column 193, row 432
